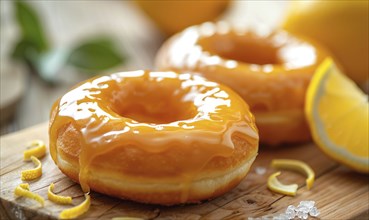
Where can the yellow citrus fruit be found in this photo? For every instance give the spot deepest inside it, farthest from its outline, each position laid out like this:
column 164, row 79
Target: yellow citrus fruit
column 342, row 26
column 173, row 16
column 338, row 116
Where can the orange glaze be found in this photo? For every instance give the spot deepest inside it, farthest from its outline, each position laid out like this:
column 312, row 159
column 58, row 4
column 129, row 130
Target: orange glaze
column 152, row 111
column 269, row 70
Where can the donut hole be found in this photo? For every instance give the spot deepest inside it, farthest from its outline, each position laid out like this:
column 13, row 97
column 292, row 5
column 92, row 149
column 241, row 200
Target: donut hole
column 251, row 49
column 158, row 113
column 154, row 103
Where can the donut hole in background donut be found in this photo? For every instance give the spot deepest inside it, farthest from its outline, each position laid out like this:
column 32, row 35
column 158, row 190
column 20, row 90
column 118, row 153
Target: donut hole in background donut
column 249, row 49
column 266, row 52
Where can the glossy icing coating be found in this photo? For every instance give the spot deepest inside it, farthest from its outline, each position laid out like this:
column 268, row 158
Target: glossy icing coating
column 152, row 111
column 270, row 70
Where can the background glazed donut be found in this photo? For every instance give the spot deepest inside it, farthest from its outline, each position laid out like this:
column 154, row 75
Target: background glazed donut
column 270, row 70
column 153, row 137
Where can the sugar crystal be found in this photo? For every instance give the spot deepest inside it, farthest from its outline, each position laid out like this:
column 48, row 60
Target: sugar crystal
column 290, row 212
column 308, row 204
column 260, row 170
column 314, row 212
column 302, row 215
column 302, row 209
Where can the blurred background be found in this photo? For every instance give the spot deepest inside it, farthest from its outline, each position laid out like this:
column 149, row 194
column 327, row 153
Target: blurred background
column 49, row 46
column 31, row 82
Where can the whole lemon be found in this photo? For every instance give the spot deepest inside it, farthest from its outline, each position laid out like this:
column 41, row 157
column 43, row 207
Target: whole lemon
column 342, row 26
column 174, row 16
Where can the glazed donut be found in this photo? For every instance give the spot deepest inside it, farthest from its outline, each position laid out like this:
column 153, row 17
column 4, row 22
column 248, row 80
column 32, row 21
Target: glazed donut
column 270, row 71
column 153, row 137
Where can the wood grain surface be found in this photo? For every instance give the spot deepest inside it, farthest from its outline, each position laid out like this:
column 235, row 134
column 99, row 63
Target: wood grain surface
column 339, row 193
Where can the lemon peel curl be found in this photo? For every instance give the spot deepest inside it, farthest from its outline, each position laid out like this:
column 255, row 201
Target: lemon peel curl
column 296, row 165
column 34, row 173
column 78, row 210
column 278, row 187
column 64, row 200
column 38, row 149
column 22, row 190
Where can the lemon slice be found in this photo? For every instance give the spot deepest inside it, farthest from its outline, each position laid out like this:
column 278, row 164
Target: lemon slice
column 38, row 149
column 296, row 165
column 58, row 199
column 35, row 173
column 77, row 210
column 338, row 116
column 23, row 190
column 278, row 187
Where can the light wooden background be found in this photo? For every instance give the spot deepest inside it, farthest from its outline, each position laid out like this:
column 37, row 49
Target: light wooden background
column 68, row 21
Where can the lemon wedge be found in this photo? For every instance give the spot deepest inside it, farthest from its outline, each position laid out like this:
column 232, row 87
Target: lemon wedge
column 35, row 173
column 58, row 199
column 77, row 210
column 37, row 149
column 23, row 191
column 278, row 187
column 338, row 115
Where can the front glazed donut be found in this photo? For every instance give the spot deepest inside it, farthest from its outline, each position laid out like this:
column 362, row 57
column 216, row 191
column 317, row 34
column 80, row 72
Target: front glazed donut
column 153, row 137
column 270, row 71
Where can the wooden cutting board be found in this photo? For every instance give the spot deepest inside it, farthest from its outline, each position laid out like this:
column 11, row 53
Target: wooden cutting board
column 339, row 193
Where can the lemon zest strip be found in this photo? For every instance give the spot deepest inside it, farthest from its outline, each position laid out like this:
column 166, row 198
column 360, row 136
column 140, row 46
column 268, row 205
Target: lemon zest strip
column 38, row 150
column 296, row 165
column 278, row 187
column 58, row 199
column 34, row 173
column 76, row 210
column 23, row 191
column 24, row 186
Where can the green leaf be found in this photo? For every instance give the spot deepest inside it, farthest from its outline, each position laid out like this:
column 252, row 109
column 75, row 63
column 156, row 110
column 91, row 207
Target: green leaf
column 25, row 49
column 30, row 25
column 95, row 55
column 33, row 48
